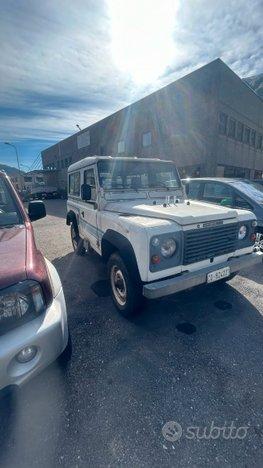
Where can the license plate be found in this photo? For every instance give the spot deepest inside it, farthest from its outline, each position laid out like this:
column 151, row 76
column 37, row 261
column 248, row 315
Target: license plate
column 218, row 274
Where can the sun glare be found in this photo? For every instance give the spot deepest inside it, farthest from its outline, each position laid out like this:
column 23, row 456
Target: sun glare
column 142, row 36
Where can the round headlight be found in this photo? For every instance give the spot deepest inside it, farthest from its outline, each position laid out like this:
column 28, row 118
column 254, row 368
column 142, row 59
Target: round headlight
column 168, row 248
column 242, row 232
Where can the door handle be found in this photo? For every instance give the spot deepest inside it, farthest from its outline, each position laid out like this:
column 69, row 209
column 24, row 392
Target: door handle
column 82, row 214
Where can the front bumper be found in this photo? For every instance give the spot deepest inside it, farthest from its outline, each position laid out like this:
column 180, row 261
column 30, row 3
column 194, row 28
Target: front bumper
column 48, row 332
column 190, row 279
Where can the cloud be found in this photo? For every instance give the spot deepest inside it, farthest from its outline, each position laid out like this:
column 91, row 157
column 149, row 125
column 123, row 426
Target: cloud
column 57, row 67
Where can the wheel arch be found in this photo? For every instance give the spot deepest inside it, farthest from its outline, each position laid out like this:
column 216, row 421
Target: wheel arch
column 71, row 217
column 113, row 241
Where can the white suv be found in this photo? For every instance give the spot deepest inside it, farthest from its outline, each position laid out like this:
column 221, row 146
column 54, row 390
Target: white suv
column 133, row 212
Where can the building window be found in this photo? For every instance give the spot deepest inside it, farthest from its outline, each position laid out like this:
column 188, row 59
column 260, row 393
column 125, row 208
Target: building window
column 83, row 139
column 121, row 146
column 240, row 129
column 246, row 135
column 146, row 139
column 74, row 183
column 39, row 179
column 253, row 138
column 259, row 142
column 62, row 163
column 28, row 179
column 58, row 164
column 232, row 128
column 66, row 162
column 222, row 123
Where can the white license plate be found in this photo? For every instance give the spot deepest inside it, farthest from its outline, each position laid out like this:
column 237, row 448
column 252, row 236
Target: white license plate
column 218, row 274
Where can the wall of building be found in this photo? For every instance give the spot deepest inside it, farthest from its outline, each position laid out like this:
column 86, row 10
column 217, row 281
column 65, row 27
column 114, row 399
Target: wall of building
column 182, row 120
column 243, row 109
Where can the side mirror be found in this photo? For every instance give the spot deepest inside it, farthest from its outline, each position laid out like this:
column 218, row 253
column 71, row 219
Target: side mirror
column 86, row 192
column 36, row 210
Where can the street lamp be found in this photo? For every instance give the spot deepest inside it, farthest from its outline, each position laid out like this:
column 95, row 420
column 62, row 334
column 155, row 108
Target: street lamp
column 10, row 144
column 77, row 125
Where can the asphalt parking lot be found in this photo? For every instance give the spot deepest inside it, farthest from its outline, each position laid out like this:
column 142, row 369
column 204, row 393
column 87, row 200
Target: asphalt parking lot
column 194, row 359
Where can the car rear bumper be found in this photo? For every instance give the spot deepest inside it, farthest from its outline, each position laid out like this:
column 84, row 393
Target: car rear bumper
column 48, row 333
column 190, row 279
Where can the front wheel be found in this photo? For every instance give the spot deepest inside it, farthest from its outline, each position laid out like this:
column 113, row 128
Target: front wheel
column 126, row 292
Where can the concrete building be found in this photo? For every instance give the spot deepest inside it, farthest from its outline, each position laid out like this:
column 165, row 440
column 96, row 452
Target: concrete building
column 209, row 122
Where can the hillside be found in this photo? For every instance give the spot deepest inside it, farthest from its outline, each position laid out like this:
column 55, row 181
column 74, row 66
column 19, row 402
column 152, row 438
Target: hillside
column 10, row 170
column 256, row 83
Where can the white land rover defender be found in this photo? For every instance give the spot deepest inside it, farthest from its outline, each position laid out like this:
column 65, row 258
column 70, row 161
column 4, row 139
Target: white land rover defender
column 133, row 212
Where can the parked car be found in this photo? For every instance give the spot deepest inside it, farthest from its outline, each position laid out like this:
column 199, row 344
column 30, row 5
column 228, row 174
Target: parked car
column 235, row 193
column 40, row 192
column 33, row 318
column 134, row 214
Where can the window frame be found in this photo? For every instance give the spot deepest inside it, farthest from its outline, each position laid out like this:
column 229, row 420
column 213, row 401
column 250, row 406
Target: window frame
column 74, row 194
column 144, row 135
column 95, row 186
column 121, row 147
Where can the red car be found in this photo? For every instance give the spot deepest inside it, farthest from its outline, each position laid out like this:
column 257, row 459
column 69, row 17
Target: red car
column 33, row 318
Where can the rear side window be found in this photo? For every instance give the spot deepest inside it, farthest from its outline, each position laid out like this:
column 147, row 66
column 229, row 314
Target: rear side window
column 193, row 189
column 74, row 184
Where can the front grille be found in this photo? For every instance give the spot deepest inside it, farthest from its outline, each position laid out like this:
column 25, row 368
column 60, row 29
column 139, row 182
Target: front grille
column 201, row 244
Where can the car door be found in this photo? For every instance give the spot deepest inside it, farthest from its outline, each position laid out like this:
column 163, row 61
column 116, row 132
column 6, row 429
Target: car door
column 89, row 209
column 218, row 192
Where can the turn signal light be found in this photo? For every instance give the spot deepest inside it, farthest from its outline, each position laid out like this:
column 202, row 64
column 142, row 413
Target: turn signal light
column 155, row 259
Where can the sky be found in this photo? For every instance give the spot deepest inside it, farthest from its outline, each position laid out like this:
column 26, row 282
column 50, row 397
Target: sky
column 64, row 63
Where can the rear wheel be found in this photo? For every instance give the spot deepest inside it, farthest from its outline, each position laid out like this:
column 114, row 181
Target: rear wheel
column 76, row 240
column 125, row 290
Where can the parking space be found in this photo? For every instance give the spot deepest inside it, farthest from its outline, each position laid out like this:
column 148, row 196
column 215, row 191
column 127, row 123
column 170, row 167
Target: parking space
column 194, row 358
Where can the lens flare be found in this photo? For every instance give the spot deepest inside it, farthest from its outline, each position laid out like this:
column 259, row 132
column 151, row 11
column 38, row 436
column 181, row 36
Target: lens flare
column 142, row 37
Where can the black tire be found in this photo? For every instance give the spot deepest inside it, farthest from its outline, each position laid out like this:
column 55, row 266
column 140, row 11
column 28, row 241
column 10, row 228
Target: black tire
column 126, row 290
column 65, row 356
column 76, row 240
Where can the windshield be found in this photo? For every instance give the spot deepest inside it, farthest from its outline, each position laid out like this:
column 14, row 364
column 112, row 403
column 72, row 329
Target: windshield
column 136, row 175
column 9, row 213
column 251, row 189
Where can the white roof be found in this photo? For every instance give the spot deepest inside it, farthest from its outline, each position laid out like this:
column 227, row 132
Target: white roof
column 94, row 159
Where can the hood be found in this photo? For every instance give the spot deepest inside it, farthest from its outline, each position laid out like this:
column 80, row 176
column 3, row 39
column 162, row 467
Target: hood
column 181, row 213
column 12, row 255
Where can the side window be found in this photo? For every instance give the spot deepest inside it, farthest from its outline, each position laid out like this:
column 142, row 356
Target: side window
column 193, row 189
column 240, row 202
column 218, row 193
column 89, row 178
column 74, row 184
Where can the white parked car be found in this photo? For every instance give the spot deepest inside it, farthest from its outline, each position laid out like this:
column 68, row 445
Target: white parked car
column 133, row 212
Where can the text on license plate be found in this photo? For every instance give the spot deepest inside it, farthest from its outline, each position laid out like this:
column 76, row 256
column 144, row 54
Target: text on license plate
column 218, row 274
